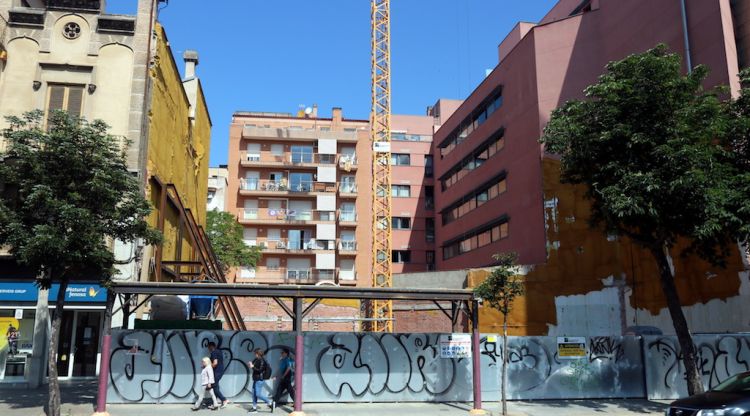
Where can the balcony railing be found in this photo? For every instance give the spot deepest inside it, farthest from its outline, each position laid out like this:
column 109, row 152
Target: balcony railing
column 296, row 276
column 347, row 188
column 347, row 216
column 282, row 185
column 287, row 159
column 291, row 245
column 288, row 215
column 347, row 245
column 250, row 131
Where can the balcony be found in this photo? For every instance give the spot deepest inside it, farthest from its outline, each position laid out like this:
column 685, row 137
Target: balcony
column 287, row 246
column 298, row 134
column 348, row 163
column 281, row 275
column 290, row 216
column 347, row 247
column 348, row 190
column 286, row 159
column 282, row 187
column 348, row 218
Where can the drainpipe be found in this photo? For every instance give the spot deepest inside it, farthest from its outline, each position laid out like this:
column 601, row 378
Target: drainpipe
column 686, row 37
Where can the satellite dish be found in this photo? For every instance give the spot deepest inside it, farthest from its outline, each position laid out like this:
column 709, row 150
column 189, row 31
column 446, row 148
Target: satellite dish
column 308, row 111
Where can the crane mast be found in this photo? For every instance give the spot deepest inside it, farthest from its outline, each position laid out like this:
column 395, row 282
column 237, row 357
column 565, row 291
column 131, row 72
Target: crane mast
column 380, row 120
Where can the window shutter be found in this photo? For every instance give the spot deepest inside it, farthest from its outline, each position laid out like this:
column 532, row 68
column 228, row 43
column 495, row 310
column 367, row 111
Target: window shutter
column 75, row 101
column 56, row 98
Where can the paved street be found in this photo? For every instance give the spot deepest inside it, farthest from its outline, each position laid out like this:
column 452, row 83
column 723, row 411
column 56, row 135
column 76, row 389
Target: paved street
column 78, row 399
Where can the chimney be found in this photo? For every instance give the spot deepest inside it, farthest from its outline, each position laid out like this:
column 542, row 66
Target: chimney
column 191, row 61
column 336, row 118
column 315, row 111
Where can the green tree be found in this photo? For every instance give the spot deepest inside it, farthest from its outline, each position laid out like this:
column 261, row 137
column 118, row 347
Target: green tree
column 644, row 143
column 499, row 291
column 225, row 235
column 67, row 195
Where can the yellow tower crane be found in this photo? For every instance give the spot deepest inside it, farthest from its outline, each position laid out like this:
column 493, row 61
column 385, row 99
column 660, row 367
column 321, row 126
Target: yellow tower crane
column 380, row 136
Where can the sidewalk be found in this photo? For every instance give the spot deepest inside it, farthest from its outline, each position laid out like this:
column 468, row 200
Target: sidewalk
column 78, row 400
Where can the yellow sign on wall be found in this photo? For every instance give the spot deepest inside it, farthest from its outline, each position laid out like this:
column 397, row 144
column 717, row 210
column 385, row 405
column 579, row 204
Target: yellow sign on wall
column 571, row 348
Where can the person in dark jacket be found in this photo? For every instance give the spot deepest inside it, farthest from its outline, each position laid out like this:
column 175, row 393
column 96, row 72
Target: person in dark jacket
column 259, row 366
column 286, row 374
column 217, row 363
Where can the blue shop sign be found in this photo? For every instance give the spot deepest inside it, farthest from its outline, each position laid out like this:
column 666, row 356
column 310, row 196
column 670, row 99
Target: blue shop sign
column 75, row 293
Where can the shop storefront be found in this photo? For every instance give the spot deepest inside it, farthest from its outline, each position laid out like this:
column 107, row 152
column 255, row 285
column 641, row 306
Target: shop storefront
column 80, row 331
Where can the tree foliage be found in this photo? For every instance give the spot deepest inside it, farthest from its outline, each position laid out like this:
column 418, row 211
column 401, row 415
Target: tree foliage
column 225, row 234
column 503, row 285
column 645, row 144
column 68, row 189
column 661, row 159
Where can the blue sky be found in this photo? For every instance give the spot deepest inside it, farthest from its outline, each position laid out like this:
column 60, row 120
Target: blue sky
column 275, row 55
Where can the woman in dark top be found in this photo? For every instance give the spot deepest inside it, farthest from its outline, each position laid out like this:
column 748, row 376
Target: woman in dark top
column 259, row 366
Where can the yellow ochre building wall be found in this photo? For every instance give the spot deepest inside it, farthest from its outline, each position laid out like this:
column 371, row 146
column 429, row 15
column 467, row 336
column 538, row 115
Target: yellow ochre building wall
column 178, row 148
column 582, row 261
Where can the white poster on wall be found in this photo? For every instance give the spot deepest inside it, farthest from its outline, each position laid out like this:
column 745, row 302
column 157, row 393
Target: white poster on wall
column 455, row 346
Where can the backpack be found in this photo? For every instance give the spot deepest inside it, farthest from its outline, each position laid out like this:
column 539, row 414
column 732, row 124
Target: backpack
column 266, row 370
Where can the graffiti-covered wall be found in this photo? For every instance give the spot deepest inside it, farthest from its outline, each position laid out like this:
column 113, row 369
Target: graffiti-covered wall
column 162, row 367
column 719, row 356
column 611, row 368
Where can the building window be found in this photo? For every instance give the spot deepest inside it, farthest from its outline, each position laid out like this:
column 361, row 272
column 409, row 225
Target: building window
column 401, row 256
column 478, row 238
column 347, row 212
column 429, row 230
column 400, row 191
column 474, row 199
column 429, row 197
column 300, row 182
column 430, row 260
column 273, row 263
column 65, row 97
column 301, row 154
column 401, row 223
column 428, row 169
column 71, row 30
column 476, row 159
column 483, row 112
column 400, row 159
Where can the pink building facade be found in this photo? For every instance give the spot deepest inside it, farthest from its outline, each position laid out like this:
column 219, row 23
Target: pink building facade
column 487, row 156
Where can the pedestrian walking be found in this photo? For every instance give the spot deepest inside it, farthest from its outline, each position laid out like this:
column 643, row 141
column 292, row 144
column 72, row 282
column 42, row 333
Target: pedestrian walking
column 261, row 372
column 207, row 385
column 217, row 364
column 286, row 371
column 12, row 336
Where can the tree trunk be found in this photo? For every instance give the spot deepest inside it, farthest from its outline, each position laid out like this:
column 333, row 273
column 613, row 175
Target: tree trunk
column 54, row 338
column 504, row 371
column 689, row 354
column 40, row 342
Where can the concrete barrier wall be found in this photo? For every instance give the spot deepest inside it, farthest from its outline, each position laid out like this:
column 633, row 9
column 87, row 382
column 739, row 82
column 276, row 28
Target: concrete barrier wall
column 163, row 367
column 719, row 357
